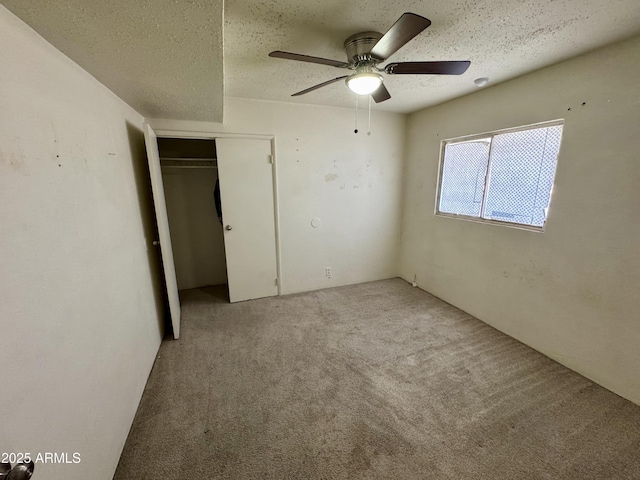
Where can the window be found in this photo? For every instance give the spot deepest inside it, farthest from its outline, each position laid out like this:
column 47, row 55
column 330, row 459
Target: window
column 504, row 177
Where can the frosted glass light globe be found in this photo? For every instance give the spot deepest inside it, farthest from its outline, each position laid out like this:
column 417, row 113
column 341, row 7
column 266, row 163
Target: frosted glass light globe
column 364, row 83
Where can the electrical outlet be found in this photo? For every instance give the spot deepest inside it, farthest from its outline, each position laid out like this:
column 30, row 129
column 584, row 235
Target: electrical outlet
column 328, row 272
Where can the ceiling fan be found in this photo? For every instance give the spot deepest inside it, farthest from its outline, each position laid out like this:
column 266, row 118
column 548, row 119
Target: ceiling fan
column 366, row 50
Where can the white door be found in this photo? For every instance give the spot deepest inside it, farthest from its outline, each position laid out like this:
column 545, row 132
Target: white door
column 248, row 215
column 157, row 188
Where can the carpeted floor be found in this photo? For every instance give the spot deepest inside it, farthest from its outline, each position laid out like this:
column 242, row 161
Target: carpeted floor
column 371, row 381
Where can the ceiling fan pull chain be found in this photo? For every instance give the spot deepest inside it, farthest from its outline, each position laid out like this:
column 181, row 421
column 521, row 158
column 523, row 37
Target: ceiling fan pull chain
column 356, row 129
column 369, row 131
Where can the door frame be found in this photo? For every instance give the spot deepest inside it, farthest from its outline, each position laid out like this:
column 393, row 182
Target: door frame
column 162, row 133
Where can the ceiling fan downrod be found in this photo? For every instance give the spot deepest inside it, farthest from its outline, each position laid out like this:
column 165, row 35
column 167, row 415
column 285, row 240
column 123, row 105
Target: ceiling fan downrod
column 358, row 48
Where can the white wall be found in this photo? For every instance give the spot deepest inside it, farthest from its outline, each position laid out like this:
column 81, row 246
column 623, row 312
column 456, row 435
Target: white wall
column 196, row 233
column 351, row 182
column 80, row 314
column 571, row 292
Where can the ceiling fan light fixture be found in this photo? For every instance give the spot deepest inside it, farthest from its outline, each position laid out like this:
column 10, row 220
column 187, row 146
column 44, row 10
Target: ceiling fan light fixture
column 364, row 83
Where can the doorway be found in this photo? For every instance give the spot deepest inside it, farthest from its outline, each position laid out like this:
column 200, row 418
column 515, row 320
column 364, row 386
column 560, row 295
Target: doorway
column 190, row 177
column 185, row 169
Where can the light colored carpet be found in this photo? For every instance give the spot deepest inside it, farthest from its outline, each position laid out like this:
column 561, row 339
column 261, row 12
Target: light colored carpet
column 371, row 381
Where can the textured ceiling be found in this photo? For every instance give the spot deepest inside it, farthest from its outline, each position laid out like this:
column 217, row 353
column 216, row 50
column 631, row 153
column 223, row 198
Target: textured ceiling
column 164, row 57
column 502, row 39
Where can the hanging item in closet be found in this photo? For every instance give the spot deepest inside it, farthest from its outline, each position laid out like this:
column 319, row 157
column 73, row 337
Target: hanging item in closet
column 216, row 199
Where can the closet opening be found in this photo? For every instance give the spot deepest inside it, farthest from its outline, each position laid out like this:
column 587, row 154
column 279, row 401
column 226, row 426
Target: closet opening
column 190, row 177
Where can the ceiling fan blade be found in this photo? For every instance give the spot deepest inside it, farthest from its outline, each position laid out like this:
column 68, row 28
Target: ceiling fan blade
column 428, row 68
column 307, row 58
column 381, row 94
column 406, row 27
column 320, row 85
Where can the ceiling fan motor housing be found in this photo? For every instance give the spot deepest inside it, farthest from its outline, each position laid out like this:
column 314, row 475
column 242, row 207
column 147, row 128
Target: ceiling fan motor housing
column 358, row 47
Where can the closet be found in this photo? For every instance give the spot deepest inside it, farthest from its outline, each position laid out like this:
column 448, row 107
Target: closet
column 189, row 175
column 197, row 250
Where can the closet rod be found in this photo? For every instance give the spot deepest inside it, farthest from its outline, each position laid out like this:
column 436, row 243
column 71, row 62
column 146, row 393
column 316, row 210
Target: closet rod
column 189, row 159
column 189, row 166
column 188, row 163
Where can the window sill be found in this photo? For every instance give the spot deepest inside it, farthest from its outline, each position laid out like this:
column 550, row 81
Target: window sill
column 518, row 226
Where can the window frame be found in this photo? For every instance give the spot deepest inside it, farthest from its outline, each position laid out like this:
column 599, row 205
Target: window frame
column 480, row 136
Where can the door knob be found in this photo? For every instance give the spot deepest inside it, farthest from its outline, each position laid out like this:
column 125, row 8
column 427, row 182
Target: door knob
column 20, row 471
column 156, row 242
column 228, row 227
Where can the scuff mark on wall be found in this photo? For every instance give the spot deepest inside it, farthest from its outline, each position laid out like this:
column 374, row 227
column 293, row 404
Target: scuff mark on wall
column 15, row 161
